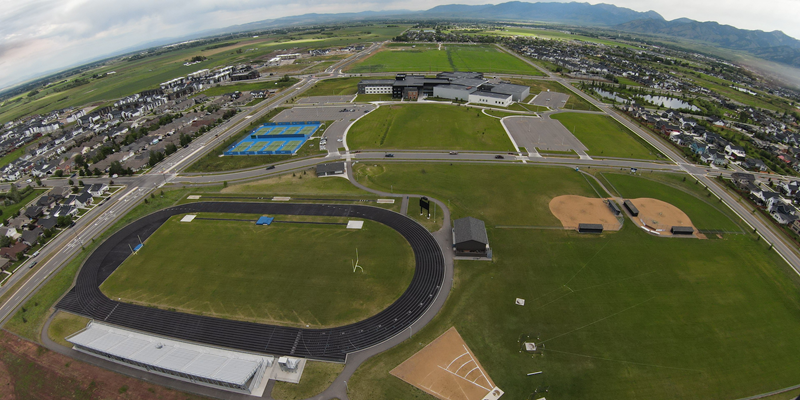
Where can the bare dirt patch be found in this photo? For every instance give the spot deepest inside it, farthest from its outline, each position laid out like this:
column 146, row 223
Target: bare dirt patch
column 29, row 371
column 447, row 369
column 660, row 216
column 572, row 210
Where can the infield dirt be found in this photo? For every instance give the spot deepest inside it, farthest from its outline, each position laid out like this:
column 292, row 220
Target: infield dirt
column 572, row 210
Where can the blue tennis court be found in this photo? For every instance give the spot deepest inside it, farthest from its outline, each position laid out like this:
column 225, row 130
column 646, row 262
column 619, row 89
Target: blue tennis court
column 274, row 138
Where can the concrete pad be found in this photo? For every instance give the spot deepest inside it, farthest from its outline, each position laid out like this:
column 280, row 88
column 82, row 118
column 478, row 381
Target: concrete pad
column 543, row 134
column 355, row 224
column 193, row 197
column 554, row 100
column 385, row 201
column 281, row 198
column 188, row 218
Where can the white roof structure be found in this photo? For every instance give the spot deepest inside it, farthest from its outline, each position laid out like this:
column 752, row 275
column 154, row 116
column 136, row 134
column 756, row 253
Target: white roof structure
column 210, row 363
column 355, row 224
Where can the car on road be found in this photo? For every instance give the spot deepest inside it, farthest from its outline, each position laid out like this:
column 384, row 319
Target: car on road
column 270, row 167
column 33, row 264
column 499, row 157
column 453, row 153
column 388, row 155
column 339, row 140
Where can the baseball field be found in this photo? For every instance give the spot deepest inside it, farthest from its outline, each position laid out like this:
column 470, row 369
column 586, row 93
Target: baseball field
column 234, row 269
column 621, row 315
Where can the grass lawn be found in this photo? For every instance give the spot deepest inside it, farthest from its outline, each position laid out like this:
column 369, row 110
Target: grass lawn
column 623, row 315
column 28, row 323
column 298, row 184
column 246, row 87
column 706, row 212
column 9, row 211
column 237, row 270
column 317, row 376
column 427, row 127
column 606, row 137
column 65, row 324
column 482, row 191
column 334, row 87
column 366, row 98
column 452, row 57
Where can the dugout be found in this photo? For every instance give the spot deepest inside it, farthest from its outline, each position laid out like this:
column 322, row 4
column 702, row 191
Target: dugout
column 681, row 230
column 590, row 228
column 470, row 238
column 614, row 207
column 631, row 208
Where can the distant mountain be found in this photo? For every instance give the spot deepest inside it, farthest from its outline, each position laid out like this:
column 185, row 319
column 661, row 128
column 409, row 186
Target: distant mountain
column 773, row 46
column 583, row 14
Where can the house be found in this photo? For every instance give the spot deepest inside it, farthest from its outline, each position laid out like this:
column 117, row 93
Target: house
column 795, row 226
column 789, row 188
column 47, row 223
column 32, row 237
column 10, row 232
column 698, row 147
column 13, row 251
column 97, row 189
column 754, row 164
column 742, row 180
column 763, row 196
column 734, row 152
column 63, row 211
column 19, row 222
column 782, row 218
column 34, row 212
column 4, row 263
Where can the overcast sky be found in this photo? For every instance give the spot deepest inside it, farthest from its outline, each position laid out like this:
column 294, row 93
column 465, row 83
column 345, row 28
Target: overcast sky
column 37, row 36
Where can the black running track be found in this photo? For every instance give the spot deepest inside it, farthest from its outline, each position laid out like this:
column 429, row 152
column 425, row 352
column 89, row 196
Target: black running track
column 322, row 344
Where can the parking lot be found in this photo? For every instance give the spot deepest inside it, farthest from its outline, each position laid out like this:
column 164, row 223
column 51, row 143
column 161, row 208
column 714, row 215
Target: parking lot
column 543, row 134
column 553, row 100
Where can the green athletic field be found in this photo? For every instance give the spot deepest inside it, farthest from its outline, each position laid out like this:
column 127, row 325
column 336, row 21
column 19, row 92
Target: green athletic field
column 289, row 274
column 706, row 212
column 452, row 57
column 606, row 137
column 622, row 315
column 428, row 126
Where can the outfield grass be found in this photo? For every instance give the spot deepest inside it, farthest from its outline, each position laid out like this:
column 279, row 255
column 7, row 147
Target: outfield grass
column 427, row 127
column 237, row 270
column 65, row 324
column 317, row 376
column 28, row 323
column 452, row 57
column 706, row 212
column 606, row 137
column 486, row 192
column 624, row 315
column 298, row 183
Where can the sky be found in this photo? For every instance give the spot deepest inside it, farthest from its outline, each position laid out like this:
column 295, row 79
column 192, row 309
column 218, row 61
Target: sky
column 38, row 36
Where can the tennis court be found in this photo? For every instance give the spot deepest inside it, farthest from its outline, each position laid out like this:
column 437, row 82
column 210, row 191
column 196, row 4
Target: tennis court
column 274, row 138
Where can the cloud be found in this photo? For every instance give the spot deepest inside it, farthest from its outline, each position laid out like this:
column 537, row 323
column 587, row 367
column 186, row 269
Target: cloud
column 43, row 35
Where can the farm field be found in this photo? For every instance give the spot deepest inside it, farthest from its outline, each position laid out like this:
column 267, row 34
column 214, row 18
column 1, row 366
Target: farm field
column 452, row 57
column 606, row 137
column 238, row 270
column 622, row 315
column 132, row 76
column 428, row 126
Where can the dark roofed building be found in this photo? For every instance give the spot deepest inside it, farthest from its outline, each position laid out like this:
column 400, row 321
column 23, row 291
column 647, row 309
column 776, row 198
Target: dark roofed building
column 590, row 228
column 469, row 238
column 329, row 169
column 681, row 230
column 631, row 208
column 47, row 223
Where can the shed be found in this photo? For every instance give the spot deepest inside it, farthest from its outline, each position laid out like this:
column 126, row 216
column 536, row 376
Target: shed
column 328, row 169
column 470, row 238
column 631, row 208
column 590, row 228
column 682, row 230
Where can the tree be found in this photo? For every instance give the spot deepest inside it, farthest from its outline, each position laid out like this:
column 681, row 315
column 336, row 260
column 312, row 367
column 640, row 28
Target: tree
column 70, row 182
column 6, row 241
column 59, row 173
column 13, row 194
column 171, row 148
column 97, row 171
column 64, row 220
column 80, row 161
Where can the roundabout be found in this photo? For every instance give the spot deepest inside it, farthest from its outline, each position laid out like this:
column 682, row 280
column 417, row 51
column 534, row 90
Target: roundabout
column 331, row 344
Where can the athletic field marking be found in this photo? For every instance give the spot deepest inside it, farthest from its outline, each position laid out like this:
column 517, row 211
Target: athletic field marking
column 599, row 320
column 454, row 360
column 480, row 386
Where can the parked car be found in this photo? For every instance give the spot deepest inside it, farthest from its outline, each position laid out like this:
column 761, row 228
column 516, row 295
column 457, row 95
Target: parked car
column 388, row 155
column 499, row 157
